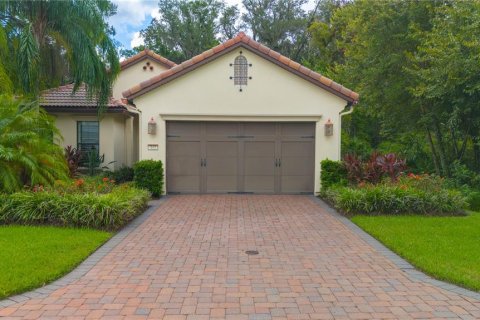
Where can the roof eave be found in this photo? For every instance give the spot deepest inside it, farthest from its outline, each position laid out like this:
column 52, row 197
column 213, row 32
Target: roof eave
column 82, row 109
column 143, row 55
column 234, row 45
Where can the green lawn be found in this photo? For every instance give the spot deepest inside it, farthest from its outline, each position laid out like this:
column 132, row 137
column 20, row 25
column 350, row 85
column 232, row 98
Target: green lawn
column 447, row 248
column 33, row 256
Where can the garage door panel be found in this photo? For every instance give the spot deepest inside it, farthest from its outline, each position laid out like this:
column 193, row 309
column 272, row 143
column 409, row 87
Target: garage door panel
column 221, row 183
column 260, row 184
column 222, row 166
column 184, row 129
column 260, row 166
column 297, row 166
column 222, row 149
column 184, row 183
column 183, row 149
column 298, row 129
column 183, row 166
column 296, row 184
column 222, row 129
column 259, row 129
column 298, row 149
column 259, row 149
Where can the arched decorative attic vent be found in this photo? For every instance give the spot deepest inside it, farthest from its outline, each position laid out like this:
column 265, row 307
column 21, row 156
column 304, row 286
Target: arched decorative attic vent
column 240, row 71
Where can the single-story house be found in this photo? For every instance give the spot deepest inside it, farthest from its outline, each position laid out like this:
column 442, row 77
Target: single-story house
column 237, row 118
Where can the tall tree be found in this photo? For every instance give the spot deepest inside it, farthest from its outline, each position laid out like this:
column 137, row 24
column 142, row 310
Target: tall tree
column 367, row 44
column 279, row 24
column 446, row 70
column 185, row 29
column 416, row 66
column 6, row 85
column 230, row 22
column 57, row 41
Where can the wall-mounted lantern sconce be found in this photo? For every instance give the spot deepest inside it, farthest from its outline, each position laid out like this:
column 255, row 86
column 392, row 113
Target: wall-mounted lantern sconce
column 152, row 126
column 329, row 128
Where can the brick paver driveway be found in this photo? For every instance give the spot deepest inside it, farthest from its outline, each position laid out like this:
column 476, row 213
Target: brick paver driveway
column 188, row 261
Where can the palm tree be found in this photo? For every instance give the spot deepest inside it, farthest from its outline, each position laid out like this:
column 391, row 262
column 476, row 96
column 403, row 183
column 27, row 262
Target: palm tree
column 52, row 42
column 28, row 155
column 6, row 85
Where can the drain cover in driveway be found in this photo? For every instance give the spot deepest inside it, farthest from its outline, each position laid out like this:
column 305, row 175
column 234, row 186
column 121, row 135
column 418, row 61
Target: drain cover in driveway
column 251, row 252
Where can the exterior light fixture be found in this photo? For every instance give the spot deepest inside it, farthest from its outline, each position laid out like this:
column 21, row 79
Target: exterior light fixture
column 329, row 128
column 152, row 126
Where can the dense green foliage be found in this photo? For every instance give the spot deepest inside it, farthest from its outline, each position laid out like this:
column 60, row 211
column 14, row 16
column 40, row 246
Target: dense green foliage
column 54, row 42
column 121, row 175
column 473, row 200
column 395, row 199
column 187, row 28
column 280, row 25
column 444, row 247
column 33, row 256
column 333, row 173
column 44, row 44
column 415, row 65
column 92, row 209
column 148, row 174
column 27, row 154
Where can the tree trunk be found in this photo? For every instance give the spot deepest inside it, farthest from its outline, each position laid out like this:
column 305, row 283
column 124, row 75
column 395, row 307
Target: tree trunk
column 476, row 155
column 441, row 147
column 434, row 152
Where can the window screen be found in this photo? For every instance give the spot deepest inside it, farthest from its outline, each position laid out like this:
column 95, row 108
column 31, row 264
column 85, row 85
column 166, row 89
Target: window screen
column 87, row 135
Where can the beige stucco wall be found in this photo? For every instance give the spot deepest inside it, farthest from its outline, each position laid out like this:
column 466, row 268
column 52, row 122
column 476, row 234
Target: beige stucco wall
column 115, row 135
column 273, row 94
column 135, row 74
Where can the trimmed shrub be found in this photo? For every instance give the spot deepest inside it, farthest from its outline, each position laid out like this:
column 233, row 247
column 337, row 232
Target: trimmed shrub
column 395, row 199
column 333, row 173
column 102, row 211
column 122, row 175
column 148, row 174
column 473, row 199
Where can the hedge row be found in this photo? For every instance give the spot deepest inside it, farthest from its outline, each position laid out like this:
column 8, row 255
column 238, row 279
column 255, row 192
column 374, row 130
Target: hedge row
column 394, row 199
column 102, row 211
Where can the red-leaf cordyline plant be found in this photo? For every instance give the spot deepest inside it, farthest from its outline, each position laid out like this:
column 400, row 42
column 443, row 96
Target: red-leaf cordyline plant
column 391, row 165
column 73, row 157
column 354, row 167
column 374, row 169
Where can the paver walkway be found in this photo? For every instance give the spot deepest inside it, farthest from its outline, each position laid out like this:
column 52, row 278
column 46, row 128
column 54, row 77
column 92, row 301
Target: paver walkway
column 188, row 261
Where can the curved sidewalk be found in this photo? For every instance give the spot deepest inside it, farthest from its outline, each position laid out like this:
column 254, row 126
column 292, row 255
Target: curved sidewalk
column 187, row 260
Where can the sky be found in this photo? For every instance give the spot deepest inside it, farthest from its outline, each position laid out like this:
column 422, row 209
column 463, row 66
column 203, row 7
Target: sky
column 134, row 15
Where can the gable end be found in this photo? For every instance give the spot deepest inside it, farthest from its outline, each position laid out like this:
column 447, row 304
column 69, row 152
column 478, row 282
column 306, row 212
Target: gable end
column 246, row 42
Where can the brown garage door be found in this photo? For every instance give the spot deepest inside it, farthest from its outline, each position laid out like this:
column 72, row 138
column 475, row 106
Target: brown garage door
column 224, row 157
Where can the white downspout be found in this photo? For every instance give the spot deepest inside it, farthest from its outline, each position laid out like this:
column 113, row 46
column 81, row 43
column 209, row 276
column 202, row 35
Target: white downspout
column 342, row 113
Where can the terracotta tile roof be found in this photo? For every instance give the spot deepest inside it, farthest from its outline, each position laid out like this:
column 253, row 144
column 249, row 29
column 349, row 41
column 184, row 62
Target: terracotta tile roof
column 242, row 40
column 63, row 97
column 145, row 54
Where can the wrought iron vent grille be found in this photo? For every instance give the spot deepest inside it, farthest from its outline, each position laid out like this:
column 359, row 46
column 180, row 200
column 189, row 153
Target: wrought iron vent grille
column 240, row 71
